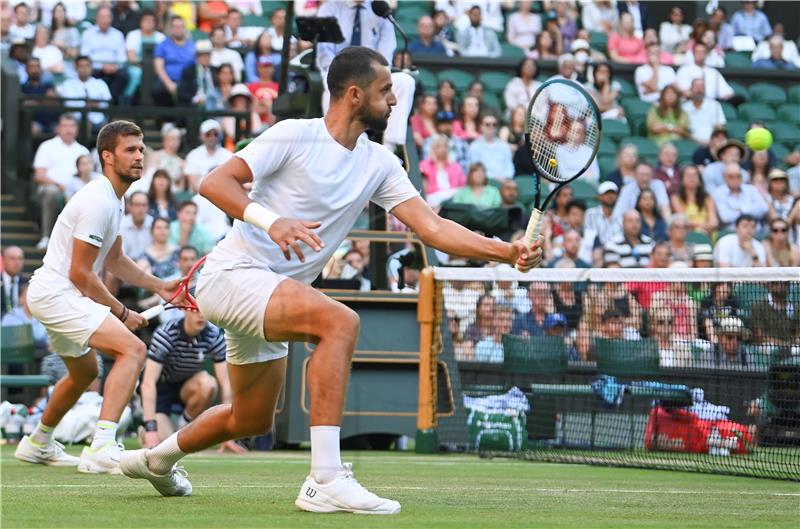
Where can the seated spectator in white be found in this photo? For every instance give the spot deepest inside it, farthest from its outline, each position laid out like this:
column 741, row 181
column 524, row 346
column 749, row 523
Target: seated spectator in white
column 135, row 226
column 442, row 176
column 35, row 85
column 493, row 153
column 147, row 34
column 674, row 33
column 600, row 224
column 477, row 40
column 105, row 46
column 566, row 68
column 631, row 247
column 237, row 36
column 716, row 87
column 85, row 174
column 459, row 149
column 600, row 16
column 426, row 43
column 186, row 231
column 546, row 48
column 740, row 249
column 751, row 22
column 789, row 47
column 724, row 30
column 86, row 87
column 197, row 86
column 605, row 91
column 13, row 279
column 584, row 54
column 489, row 348
column 780, row 250
column 692, row 199
column 569, row 247
column 264, row 90
column 624, row 45
column 522, row 26
column 491, row 13
column 729, row 352
column 170, row 58
column 779, row 198
column 53, row 166
column 573, row 155
column 52, row 60
column 672, row 350
column 667, row 169
column 716, row 55
column 22, row 26
column 776, row 59
column 277, row 28
column 653, row 224
column 477, row 191
column 653, row 76
column 520, row 89
column 629, row 194
column 680, row 250
column 732, row 151
column 221, row 55
column 627, row 157
column 167, row 157
column 705, row 113
column 735, row 199
column 206, row 156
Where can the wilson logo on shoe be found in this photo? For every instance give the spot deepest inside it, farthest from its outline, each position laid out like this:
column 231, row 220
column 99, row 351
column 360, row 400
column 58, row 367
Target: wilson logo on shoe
column 311, row 492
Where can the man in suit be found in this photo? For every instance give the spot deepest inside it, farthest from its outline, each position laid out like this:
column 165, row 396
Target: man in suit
column 13, row 278
column 196, row 86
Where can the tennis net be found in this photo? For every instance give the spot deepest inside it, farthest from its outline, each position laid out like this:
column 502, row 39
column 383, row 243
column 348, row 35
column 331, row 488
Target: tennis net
column 681, row 369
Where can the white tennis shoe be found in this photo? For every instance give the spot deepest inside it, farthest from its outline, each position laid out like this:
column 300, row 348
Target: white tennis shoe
column 173, row 483
column 104, row 460
column 343, row 494
column 51, row 454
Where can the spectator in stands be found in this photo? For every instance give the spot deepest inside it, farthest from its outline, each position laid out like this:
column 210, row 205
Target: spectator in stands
column 85, row 174
column 780, row 250
column 86, row 87
column 241, row 100
column 706, row 154
column 446, row 96
column 715, row 307
column 459, row 149
column 210, row 14
column 235, row 35
column 224, row 81
column 205, row 157
column 43, row 121
column 691, row 199
column 135, row 226
column 484, row 319
column 64, row 35
column 477, row 191
column 639, row 12
column 264, row 90
column 704, row 112
column 723, row 29
column 13, row 279
column 187, row 231
column 740, row 249
column 105, row 46
column 600, row 16
column 442, row 176
column 776, row 60
column 729, row 351
column 736, row 198
column 652, row 77
column 514, row 132
column 21, row 315
column 775, row 320
column 161, row 202
column 714, row 84
column 444, row 31
column 566, row 67
column 167, row 158
column 422, row 122
column 262, row 48
column 520, row 89
column 732, row 151
column 542, row 305
column 573, row 155
column 125, row 16
column 629, row 194
column 605, row 91
column 52, row 60
column 653, row 224
column 54, row 165
column 716, row 55
column 674, row 33
column 19, row 55
column 477, row 40
column 631, row 246
column 672, row 350
column 680, row 250
column 277, row 28
column 425, row 43
column 147, row 34
column 627, row 156
column 490, row 151
column 221, row 55
column 171, row 57
column 600, row 225
column 160, row 258
column 567, row 26
column 467, row 125
column 789, row 51
column 197, row 86
column 751, row 22
column 523, row 26
column 702, row 256
column 509, row 194
column 569, row 249
column 22, row 27
column 779, row 198
column 490, row 348
column 667, row 169
column 759, row 167
column 624, row 46
column 666, row 120
column 545, row 48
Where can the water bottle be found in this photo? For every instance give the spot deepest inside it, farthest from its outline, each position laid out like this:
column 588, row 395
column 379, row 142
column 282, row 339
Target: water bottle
column 559, row 430
column 14, row 426
column 716, row 445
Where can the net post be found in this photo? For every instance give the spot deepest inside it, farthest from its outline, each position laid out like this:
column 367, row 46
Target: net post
column 426, row 438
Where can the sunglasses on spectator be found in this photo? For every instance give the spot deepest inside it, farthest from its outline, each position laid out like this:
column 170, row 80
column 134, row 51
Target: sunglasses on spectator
column 779, row 230
column 489, row 123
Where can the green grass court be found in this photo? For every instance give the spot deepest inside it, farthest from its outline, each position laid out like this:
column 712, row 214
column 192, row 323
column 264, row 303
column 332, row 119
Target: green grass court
column 443, row 491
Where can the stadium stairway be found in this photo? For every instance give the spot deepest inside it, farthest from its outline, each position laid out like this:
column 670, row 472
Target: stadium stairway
column 16, row 229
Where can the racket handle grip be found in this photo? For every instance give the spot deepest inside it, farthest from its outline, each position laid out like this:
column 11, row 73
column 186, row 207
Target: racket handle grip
column 534, row 228
column 153, row 312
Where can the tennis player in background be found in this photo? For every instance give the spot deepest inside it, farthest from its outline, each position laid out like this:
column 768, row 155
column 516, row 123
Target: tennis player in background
column 311, row 179
column 69, row 298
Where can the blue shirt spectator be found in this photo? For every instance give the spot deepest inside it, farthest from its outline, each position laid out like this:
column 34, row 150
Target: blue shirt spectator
column 426, row 43
column 176, row 56
column 103, row 43
column 492, row 152
column 735, row 198
column 775, row 60
column 751, row 22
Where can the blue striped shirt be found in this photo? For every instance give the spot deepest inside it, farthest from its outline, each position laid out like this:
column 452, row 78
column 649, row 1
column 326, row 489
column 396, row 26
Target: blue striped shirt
column 182, row 356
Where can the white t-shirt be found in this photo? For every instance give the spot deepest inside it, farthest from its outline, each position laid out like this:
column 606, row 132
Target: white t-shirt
column 728, row 251
column 200, row 162
column 93, row 216
column 301, row 172
column 49, row 56
column 716, row 85
column 228, row 56
column 666, row 76
column 703, row 120
column 133, row 41
column 59, row 159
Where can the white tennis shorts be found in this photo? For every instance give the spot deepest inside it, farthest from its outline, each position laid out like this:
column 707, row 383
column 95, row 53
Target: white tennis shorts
column 69, row 317
column 236, row 300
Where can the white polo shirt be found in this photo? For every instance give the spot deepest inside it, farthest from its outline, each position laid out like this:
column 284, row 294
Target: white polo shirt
column 59, row 159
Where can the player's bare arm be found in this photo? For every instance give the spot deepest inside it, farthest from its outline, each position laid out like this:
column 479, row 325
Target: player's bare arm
column 449, row 237
column 223, row 187
column 129, row 272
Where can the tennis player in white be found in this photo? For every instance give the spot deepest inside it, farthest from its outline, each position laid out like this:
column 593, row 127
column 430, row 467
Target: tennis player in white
column 311, row 179
column 68, row 297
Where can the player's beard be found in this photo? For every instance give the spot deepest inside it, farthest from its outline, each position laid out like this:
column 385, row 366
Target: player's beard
column 129, row 175
column 374, row 122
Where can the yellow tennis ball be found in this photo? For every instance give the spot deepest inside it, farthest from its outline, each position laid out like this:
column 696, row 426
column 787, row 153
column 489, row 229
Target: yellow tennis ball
column 552, row 162
column 758, row 139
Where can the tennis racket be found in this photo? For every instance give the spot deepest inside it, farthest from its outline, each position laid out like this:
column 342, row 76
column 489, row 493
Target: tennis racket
column 186, row 287
column 562, row 131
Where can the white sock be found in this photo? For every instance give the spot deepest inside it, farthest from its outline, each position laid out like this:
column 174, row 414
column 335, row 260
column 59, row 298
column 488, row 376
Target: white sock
column 326, row 460
column 42, row 435
column 104, row 432
column 163, row 457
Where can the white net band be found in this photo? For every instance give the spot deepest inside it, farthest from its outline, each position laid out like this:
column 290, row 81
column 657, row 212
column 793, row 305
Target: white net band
column 554, row 275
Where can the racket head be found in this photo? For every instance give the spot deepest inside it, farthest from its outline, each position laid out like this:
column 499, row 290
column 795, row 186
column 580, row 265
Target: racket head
column 184, row 296
column 562, row 130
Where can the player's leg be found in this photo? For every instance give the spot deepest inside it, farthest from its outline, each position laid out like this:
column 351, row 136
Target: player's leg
column 197, row 394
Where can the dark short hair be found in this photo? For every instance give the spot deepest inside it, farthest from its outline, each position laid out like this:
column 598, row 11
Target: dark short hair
column 185, row 204
column 576, row 203
column 83, row 58
column 353, row 66
column 157, row 220
column 188, row 248
column 611, row 314
column 147, row 13
column 110, row 133
column 743, row 217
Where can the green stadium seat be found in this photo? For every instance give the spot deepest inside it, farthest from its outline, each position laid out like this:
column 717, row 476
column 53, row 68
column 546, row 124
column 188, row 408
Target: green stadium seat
column 737, row 129
column 767, row 93
column 17, row 344
column 495, row 81
column 607, row 145
column 729, row 110
column 584, row 189
column 685, row 148
column 428, row 80
column 635, row 107
column 599, row 41
column 794, row 94
column 615, row 129
column 627, row 358
column 491, row 99
column 626, row 88
column 460, row 79
column 647, row 148
column 511, row 52
column 698, row 237
column 540, row 354
column 739, row 89
column 638, row 126
column 607, row 164
column 737, row 60
column 748, row 294
column 780, row 151
column 756, row 112
column 525, row 186
column 789, row 112
column 785, row 133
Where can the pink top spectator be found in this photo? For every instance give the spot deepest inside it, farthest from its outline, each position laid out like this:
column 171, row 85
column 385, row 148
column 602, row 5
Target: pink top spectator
column 454, row 174
column 630, row 49
column 459, row 132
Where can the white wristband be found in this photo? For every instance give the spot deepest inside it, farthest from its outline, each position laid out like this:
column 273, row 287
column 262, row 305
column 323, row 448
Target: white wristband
column 258, row 215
